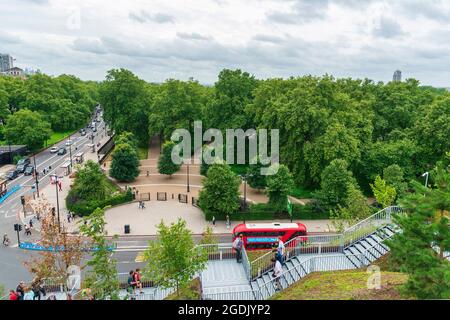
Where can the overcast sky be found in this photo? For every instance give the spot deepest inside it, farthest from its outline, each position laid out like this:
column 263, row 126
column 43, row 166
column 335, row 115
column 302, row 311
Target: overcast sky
column 160, row 39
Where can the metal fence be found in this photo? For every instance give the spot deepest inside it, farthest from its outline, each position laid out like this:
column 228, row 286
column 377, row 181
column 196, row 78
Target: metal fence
column 195, row 202
column 144, row 196
column 183, row 198
column 161, row 196
column 240, row 295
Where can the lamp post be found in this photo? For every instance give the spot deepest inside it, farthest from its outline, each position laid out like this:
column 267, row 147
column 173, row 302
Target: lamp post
column 36, row 174
column 188, row 186
column 57, row 200
column 426, row 174
column 70, row 151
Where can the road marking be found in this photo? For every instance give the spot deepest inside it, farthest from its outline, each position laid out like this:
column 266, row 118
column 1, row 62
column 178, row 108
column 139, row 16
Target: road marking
column 139, row 257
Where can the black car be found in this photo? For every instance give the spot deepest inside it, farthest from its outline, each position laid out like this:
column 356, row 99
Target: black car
column 11, row 175
column 62, row 151
column 24, row 161
column 29, row 170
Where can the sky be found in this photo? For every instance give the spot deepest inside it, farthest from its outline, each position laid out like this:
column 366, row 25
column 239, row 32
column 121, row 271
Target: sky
column 161, row 39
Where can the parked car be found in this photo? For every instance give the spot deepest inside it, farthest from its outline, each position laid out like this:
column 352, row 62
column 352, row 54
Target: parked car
column 20, row 168
column 29, row 170
column 24, row 161
column 11, row 175
column 62, row 151
column 54, row 150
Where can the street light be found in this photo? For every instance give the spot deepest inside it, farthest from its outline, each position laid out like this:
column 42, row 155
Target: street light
column 70, row 150
column 426, row 174
column 36, row 174
column 188, row 186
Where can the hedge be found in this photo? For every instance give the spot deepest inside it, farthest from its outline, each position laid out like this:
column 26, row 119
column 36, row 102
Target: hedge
column 264, row 211
column 83, row 208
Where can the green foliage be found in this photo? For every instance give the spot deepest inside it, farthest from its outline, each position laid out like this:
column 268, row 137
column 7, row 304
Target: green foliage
column 27, row 127
column 84, row 208
column 126, row 138
column 124, row 98
column 125, row 163
column 165, row 163
column 393, row 175
column 279, row 186
column 384, row 193
column 334, row 188
column 354, row 209
column 255, row 179
column 173, row 259
column 424, row 226
column 90, row 183
column 102, row 273
column 220, row 193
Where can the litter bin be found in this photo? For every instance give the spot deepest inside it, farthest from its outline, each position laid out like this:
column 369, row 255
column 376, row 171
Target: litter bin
column 127, row 229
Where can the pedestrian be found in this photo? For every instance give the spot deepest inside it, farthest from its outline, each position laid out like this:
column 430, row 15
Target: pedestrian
column 237, row 246
column 27, row 230
column 37, row 288
column 29, row 294
column 69, row 217
column 143, row 205
column 20, row 290
column 277, row 272
column 13, row 296
column 214, row 221
column 6, row 240
column 281, row 247
column 131, row 283
column 278, row 255
column 60, row 185
column 31, row 223
column 137, row 280
column 228, row 222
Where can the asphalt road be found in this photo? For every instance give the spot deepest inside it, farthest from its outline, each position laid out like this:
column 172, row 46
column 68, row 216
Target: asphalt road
column 11, row 258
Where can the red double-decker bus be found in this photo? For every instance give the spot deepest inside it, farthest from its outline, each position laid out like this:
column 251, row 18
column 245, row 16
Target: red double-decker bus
column 259, row 236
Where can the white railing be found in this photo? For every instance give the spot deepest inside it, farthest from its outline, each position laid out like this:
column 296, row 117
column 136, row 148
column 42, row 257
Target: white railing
column 325, row 244
column 240, row 295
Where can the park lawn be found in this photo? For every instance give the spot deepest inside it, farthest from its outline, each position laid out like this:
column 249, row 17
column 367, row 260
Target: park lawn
column 58, row 136
column 300, row 192
column 345, row 285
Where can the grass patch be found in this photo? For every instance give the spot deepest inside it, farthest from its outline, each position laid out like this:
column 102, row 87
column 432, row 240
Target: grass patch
column 58, row 136
column 345, row 285
column 300, row 192
column 142, row 152
column 191, row 292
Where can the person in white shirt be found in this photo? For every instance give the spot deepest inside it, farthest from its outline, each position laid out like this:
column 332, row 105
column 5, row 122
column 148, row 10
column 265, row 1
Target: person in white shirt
column 281, row 246
column 277, row 272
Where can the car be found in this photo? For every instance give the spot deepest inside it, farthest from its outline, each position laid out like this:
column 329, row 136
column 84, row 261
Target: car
column 24, row 161
column 20, row 168
column 11, row 175
column 83, row 133
column 29, row 170
column 62, row 151
column 54, row 150
column 69, row 142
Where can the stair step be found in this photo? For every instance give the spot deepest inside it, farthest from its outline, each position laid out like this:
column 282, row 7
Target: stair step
column 355, row 262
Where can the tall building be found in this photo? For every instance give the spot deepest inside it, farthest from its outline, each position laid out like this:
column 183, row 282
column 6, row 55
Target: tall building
column 6, row 62
column 397, row 76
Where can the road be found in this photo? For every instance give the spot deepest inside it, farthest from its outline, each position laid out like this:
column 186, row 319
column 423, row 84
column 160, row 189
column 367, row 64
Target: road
column 11, row 258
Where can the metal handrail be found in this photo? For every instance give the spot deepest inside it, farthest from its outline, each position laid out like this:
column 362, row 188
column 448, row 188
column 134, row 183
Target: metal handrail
column 337, row 241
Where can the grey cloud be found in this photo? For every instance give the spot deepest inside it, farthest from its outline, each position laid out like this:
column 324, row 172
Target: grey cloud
column 144, row 16
column 302, row 11
column 87, row 45
column 192, row 36
column 267, row 38
column 430, row 9
column 388, row 28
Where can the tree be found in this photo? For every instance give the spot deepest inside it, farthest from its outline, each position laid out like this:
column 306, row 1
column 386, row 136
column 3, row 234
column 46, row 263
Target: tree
column 28, row 128
column 165, row 163
column 172, row 259
column 279, row 186
column 393, row 175
column 419, row 248
column 63, row 250
column 125, row 163
column 255, row 179
column 220, row 193
column 384, row 193
column 89, row 183
column 102, row 274
column 336, row 179
column 126, row 137
column 355, row 208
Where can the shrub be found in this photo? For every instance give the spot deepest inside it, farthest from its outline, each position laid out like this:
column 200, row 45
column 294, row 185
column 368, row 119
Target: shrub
column 83, row 208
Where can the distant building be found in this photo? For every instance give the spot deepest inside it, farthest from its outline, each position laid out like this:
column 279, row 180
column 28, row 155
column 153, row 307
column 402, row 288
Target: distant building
column 6, row 62
column 14, row 72
column 397, row 76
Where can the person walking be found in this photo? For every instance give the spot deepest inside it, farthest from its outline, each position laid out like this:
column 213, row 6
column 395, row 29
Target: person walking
column 27, row 230
column 20, row 290
column 6, row 240
column 277, row 272
column 31, row 223
column 29, row 294
column 281, row 249
column 131, row 283
column 214, row 221
column 37, row 288
column 60, row 186
column 237, row 246
column 69, row 217
column 137, row 280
